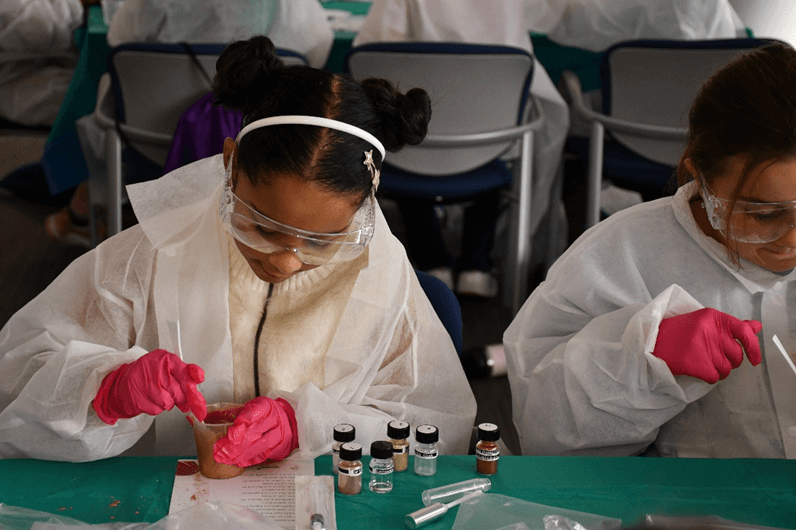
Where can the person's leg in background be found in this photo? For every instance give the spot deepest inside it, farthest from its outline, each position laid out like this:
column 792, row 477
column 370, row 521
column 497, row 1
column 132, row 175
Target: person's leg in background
column 424, row 242
column 70, row 225
column 474, row 266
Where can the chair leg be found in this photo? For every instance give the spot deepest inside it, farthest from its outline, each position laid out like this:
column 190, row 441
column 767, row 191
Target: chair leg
column 522, row 239
column 594, row 179
column 555, row 214
column 114, row 154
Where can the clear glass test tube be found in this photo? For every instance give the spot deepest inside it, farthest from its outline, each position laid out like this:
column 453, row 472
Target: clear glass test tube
column 451, row 492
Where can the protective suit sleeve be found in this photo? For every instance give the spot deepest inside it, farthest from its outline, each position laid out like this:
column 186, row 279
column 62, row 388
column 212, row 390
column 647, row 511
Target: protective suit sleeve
column 598, row 25
column 419, row 380
column 386, row 21
column 585, row 384
column 56, row 350
column 45, row 26
column 302, row 26
column 136, row 21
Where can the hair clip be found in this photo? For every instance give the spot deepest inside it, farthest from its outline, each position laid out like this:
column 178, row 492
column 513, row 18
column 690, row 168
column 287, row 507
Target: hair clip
column 374, row 173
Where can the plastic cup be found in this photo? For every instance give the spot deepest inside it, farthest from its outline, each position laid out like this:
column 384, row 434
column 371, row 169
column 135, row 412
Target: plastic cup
column 206, row 435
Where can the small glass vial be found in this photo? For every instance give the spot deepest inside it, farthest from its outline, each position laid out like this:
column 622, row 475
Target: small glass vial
column 342, row 433
column 398, row 432
column 487, row 451
column 349, row 476
column 426, row 438
column 381, row 467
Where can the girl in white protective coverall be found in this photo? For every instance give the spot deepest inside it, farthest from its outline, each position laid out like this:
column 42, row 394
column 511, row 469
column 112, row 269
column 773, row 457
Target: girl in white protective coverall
column 278, row 264
column 638, row 335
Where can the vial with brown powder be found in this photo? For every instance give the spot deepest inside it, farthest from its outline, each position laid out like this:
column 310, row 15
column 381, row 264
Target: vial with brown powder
column 398, row 433
column 343, row 433
column 349, row 472
column 487, row 451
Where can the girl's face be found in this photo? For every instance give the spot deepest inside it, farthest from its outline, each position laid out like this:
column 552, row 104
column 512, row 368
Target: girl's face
column 295, row 202
column 773, row 181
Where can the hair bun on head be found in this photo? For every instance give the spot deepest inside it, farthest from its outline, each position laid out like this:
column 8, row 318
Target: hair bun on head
column 243, row 73
column 403, row 117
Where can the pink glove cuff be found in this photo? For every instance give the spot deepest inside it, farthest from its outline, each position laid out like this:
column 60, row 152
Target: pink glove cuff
column 100, row 403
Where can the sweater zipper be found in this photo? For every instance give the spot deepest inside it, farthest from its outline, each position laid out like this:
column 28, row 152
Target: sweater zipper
column 257, row 341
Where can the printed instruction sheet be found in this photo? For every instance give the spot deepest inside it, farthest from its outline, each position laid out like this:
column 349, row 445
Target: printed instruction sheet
column 268, row 489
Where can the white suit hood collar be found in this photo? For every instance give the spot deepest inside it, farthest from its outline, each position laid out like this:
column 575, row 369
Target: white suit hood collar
column 168, row 208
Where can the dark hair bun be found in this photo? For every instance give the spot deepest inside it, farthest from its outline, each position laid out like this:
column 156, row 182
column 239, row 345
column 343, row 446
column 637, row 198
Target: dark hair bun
column 403, row 117
column 242, row 80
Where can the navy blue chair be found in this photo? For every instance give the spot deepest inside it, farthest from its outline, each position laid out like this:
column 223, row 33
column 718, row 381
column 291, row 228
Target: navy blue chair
column 445, row 304
column 478, row 98
column 648, row 87
column 139, row 106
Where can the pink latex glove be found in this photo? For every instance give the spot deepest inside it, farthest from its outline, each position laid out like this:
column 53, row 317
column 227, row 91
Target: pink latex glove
column 264, row 430
column 705, row 344
column 151, row 384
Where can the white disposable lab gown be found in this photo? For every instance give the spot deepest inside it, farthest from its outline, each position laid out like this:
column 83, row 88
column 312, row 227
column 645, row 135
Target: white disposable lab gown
column 493, row 22
column 583, row 378
column 597, row 24
column 388, row 355
column 37, row 57
column 297, row 25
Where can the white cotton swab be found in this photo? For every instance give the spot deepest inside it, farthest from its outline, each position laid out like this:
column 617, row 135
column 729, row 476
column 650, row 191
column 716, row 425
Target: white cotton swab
column 784, row 353
column 174, row 329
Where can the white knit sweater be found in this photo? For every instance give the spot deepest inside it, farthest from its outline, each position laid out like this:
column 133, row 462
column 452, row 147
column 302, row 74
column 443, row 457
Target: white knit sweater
column 292, row 342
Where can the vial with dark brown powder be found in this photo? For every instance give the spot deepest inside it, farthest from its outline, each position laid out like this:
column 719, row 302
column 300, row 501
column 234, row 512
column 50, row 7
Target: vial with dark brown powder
column 487, row 451
column 398, row 433
column 349, row 472
column 342, row 433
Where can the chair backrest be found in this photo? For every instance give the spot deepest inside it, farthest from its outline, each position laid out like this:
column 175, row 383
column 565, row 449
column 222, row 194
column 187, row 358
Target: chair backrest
column 655, row 82
column 154, row 84
column 445, row 304
column 473, row 88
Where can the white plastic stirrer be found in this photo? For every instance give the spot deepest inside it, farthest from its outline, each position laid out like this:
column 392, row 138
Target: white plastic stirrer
column 784, row 353
column 174, row 329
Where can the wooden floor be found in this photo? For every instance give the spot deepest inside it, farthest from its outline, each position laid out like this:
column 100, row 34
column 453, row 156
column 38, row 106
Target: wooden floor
column 30, row 261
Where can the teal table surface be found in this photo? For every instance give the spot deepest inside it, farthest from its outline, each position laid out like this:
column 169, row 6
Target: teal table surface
column 136, row 489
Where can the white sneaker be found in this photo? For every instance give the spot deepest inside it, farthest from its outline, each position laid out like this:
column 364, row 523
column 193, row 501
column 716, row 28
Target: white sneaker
column 443, row 273
column 477, row 283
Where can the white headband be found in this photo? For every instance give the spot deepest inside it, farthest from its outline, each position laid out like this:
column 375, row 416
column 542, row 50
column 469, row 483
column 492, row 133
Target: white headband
column 318, row 122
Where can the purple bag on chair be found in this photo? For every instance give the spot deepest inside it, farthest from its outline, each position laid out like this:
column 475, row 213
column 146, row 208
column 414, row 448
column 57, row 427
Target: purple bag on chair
column 201, row 132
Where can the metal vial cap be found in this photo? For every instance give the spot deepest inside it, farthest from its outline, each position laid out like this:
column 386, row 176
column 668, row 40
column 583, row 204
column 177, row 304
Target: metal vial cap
column 427, row 434
column 489, row 432
column 425, row 515
column 344, row 433
column 381, row 449
column 398, row 429
column 350, row 451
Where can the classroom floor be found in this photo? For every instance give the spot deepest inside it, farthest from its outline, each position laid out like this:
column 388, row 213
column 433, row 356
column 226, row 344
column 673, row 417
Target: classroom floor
column 31, row 261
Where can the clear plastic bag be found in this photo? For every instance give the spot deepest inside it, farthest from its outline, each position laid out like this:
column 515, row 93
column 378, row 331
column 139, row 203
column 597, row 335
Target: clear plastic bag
column 315, row 502
column 205, row 516
column 492, row 511
column 712, row 522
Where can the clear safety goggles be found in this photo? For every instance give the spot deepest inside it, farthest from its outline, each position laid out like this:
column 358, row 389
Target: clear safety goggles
column 749, row 222
column 265, row 235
